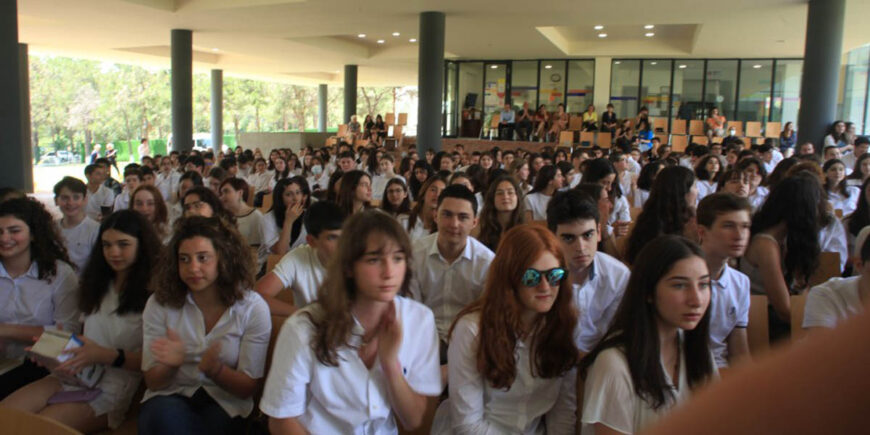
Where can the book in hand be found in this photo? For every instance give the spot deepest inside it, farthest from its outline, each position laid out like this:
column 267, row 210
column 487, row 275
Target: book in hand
column 49, row 351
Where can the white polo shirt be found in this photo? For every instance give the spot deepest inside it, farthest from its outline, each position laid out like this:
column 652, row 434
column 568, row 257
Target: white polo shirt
column 729, row 309
column 448, row 288
column 243, row 330
column 103, row 197
column 847, row 204
column 537, row 204
column 416, row 233
column 598, row 298
column 832, row 302
column 167, row 184
column 256, row 232
column 79, row 241
column 349, row 398
column 302, row 272
column 832, row 238
column 30, row 301
column 122, row 201
column 757, row 199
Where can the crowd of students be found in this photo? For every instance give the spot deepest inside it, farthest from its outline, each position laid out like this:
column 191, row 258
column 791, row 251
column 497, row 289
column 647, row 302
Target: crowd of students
column 492, row 282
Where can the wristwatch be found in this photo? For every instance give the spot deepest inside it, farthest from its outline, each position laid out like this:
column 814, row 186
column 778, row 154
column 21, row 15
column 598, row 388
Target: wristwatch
column 119, row 361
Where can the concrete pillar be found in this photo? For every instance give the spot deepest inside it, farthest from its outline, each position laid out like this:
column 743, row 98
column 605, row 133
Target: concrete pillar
column 349, row 92
column 321, row 107
column 11, row 141
column 430, row 82
column 182, row 90
column 217, row 110
column 821, row 69
column 26, row 125
column 601, row 87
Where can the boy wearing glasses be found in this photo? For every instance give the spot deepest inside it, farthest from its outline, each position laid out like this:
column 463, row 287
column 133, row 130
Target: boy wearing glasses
column 598, row 279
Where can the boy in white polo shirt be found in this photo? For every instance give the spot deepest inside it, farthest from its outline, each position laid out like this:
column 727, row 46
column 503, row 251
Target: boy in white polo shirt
column 132, row 179
column 100, row 197
column 78, row 231
column 837, row 299
column 302, row 269
column 723, row 227
column 598, row 280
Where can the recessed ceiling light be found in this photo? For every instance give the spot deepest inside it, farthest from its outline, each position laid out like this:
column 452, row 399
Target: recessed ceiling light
column 649, row 34
column 361, row 35
column 756, row 66
column 214, row 49
column 649, row 26
column 395, row 33
column 412, row 40
column 653, row 63
column 602, row 35
column 682, row 66
column 598, row 27
column 337, row 71
column 381, row 41
column 548, row 66
column 493, row 66
column 617, row 62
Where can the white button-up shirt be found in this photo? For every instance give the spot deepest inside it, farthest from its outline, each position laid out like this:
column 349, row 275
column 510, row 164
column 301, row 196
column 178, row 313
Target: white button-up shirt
column 349, row 398
column 30, row 301
column 598, row 298
column 729, row 309
column 448, row 288
column 103, row 197
column 79, row 241
column 243, row 331
column 302, row 272
column 475, row 407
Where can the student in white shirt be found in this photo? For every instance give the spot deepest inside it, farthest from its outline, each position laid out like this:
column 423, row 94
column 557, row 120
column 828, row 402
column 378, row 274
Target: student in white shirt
column 397, row 201
column 723, row 230
column 37, row 286
column 201, row 201
column 302, row 269
column 512, row 357
column 362, row 356
column 597, row 279
column 465, row 179
column 450, row 266
column 79, row 232
column 644, row 183
column 187, row 181
column 832, row 302
column 755, row 170
column 841, row 196
column 707, row 173
column 602, row 172
column 659, row 336
column 318, row 178
column 355, row 192
column 112, row 296
column 503, row 208
column 387, row 173
column 100, row 198
column 250, row 221
column 206, row 333
column 548, row 180
column 291, row 199
column 167, row 180
column 147, row 201
column 132, row 179
column 421, row 221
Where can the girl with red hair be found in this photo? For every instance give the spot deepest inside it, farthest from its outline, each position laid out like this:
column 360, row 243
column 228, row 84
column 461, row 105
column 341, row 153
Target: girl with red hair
column 512, row 355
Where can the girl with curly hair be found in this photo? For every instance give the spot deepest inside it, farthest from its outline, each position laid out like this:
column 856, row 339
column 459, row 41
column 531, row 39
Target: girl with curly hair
column 37, row 286
column 112, row 296
column 206, row 333
column 512, row 354
column 362, row 342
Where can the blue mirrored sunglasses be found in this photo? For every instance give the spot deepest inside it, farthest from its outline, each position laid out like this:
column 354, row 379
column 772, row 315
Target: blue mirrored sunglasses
column 532, row 277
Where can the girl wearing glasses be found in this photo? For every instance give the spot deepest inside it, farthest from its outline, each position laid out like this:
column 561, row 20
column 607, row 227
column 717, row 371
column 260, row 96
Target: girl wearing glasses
column 656, row 352
column 512, row 352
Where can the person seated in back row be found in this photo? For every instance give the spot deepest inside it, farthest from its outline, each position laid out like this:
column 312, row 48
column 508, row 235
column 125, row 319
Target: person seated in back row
column 302, row 270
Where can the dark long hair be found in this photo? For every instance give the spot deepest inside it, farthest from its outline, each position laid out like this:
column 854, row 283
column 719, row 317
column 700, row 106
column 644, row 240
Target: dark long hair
column 648, row 174
column 795, row 201
column 634, row 329
column 856, row 171
column 418, row 207
column 46, row 246
column 490, row 228
column 596, row 170
column 544, row 177
column 207, row 196
column 413, row 184
column 552, row 349
column 841, row 186
column 347, row 192
column 666, row 210
column 404, row 207
column 98, row 274
column 860, row 218
column 279, row 209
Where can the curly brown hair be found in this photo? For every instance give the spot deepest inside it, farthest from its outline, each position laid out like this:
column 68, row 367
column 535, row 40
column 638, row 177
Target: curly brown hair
column 490, row 228
column 235, row 262
column 331, row 315
column 46, row 246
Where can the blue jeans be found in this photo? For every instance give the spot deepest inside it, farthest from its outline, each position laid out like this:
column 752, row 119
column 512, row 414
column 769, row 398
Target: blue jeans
column 176, row 414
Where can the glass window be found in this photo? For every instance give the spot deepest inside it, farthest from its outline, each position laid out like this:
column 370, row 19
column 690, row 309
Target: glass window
column 471, row 98
column 581, row 81
column 450, row 100
column 688, row 87
column 754, row 99
column 655, row 87
column 494, row 88
column 721, row 85
column 552, row 83
column 524, row 83
column 786, row 91
column 855, row 88
column 624, row 81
